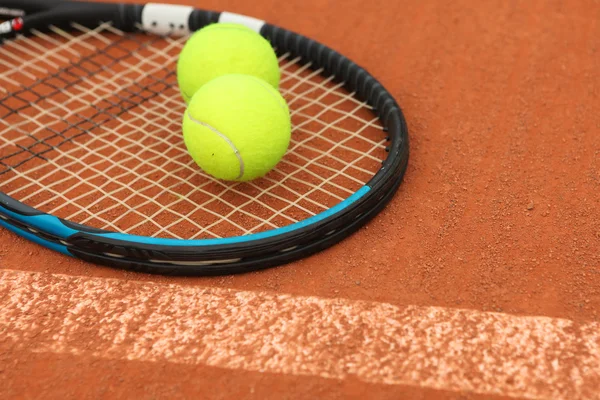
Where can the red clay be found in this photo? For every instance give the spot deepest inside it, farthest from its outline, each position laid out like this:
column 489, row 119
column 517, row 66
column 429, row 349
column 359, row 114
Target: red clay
column 499, row 210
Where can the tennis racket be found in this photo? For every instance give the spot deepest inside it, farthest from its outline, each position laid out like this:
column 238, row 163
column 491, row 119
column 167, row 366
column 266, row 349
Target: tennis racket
column 92, row 159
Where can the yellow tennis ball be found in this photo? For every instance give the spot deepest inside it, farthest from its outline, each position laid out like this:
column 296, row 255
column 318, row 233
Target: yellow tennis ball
column 221, row 49
column 237, row 127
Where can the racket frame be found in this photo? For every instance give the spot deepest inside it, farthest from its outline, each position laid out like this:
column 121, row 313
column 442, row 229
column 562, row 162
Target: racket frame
column 210, row 256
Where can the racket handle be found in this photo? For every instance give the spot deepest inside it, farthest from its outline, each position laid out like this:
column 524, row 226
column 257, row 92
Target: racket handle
column 39, row 15
column 160, row 19
column 17, row 8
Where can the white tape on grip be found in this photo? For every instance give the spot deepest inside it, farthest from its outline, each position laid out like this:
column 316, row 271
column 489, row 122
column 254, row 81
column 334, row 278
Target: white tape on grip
column 166, row 19
column 5, row 27
column 252, row 23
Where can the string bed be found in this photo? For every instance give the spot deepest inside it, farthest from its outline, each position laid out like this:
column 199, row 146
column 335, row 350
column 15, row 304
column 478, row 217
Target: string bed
column 90, row 131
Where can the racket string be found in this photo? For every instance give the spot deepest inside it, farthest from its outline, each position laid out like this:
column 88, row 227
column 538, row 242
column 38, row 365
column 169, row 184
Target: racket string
column 106, row 150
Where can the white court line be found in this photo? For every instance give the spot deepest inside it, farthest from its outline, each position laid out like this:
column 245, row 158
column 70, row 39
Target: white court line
column 441, row 348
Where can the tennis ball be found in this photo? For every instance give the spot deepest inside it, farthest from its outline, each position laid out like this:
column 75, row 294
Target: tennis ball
column 237, row 127
column 221, row 49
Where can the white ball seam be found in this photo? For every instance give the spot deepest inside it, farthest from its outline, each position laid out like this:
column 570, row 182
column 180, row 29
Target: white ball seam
column 225, row 138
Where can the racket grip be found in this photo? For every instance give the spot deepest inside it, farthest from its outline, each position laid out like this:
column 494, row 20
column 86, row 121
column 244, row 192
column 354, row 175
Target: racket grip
column 40, row 15
column 18, row 8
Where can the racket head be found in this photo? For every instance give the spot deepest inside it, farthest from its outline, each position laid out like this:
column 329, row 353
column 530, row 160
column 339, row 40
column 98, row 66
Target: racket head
column 110, row 87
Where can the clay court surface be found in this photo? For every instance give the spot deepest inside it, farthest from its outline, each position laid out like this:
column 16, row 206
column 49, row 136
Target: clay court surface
column 480, row 280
